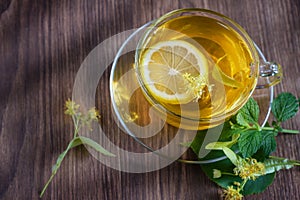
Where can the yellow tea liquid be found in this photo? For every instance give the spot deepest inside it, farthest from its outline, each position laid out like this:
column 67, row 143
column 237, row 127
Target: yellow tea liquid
column 225, row 49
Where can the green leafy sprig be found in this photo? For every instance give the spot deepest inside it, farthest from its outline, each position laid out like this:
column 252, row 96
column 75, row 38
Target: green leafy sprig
column 249, row 168
column 255, row 138
column 80, row 120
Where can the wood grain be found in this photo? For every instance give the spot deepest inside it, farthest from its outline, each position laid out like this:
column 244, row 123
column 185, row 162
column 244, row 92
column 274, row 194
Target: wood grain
column 42, row 45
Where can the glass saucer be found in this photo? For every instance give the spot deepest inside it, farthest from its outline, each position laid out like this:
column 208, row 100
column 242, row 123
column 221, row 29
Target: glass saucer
column 137, row 118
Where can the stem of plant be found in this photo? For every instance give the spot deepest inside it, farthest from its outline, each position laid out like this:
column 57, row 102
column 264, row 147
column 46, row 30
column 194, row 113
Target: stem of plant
column 57, row 167
column 227, row 173
column 282, row 131
column 243, row 184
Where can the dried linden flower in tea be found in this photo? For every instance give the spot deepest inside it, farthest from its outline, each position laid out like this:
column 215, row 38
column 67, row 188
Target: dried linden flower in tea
column 196, row 85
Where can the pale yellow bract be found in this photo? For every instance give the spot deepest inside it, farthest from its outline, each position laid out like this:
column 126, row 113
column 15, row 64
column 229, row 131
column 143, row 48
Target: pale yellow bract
column 163, row 66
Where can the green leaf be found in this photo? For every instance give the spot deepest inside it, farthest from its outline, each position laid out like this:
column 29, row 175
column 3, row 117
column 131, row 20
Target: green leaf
column 58, row 161
column 95, row 145
column 230, row 129
column 235, row 137
column 186, row 144
column 249, row 142
column 259, row 185
column 73, row 143
column 250, row 112
column 268, row 144
column 284, row 106
column 241, row 120
column 198, row 141
column 274, row 164
column 199, row 138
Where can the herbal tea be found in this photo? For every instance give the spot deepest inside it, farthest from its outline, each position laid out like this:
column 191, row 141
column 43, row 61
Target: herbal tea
column 196, row 66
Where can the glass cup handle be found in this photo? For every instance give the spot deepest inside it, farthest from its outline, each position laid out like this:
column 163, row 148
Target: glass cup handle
column 270, row 73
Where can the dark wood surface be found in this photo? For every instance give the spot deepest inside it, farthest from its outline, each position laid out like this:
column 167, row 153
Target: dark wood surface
column 42, row 45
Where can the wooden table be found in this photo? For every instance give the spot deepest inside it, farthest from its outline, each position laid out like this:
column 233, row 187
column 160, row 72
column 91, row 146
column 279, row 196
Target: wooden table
column 42, row 45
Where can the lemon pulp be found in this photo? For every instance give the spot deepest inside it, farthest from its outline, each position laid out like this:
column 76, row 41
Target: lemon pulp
column 164, row 66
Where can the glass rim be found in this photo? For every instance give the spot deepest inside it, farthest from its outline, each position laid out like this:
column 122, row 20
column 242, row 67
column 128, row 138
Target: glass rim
column 205, row 12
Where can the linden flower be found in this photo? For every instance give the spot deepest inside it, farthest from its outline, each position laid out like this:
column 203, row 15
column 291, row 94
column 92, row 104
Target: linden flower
column 196, row 85
column 232, row 194
column 87, row 119
column 93, row 114
column 217, row 173
column 249, row 168
column 71, row 108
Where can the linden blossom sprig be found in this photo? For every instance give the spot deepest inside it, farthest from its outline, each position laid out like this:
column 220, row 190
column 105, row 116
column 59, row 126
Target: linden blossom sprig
column 249, row 168
column 80, row 120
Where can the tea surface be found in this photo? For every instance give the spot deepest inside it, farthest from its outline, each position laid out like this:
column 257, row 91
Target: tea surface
column 230, row 67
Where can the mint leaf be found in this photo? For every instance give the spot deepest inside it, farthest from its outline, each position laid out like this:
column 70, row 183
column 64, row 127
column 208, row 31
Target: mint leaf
column 230, row 129
column 249, row 142
column 284, row 106
column 268, row 144
column 240, row 119
column 250, row 112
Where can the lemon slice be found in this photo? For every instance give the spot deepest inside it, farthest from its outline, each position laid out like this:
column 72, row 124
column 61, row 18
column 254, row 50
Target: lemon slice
column 164, row 65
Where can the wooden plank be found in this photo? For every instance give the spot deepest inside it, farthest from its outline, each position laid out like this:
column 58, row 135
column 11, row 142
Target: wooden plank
column 43, row 44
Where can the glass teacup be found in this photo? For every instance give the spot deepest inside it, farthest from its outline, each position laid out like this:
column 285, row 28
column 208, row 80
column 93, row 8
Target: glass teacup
column 155, row 127
column 233, row 67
